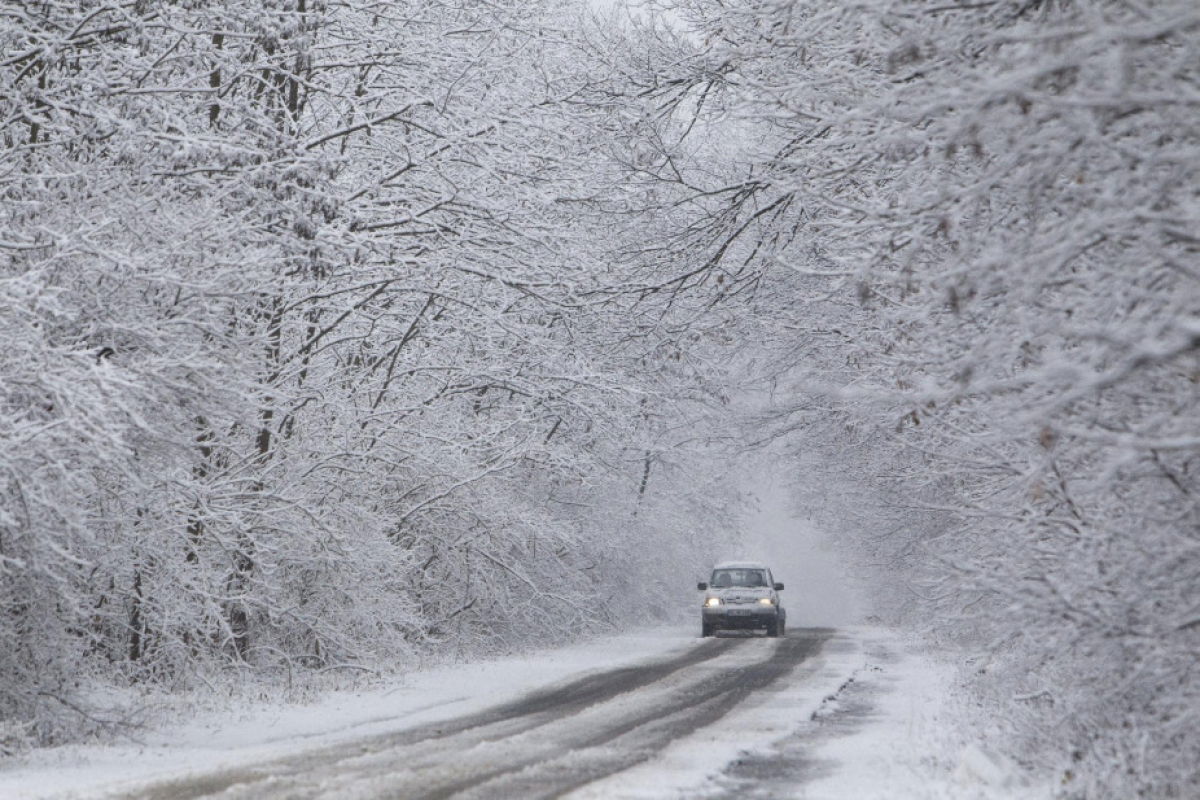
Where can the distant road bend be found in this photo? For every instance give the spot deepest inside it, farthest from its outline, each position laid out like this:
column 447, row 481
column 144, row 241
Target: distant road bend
column 540, row 746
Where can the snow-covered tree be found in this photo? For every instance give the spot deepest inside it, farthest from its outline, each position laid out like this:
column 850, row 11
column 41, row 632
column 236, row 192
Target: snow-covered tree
column 968, row 229
column 316, row 350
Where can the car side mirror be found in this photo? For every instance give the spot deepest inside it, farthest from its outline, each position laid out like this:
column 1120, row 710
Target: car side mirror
column 779, row 587
column 702, row 586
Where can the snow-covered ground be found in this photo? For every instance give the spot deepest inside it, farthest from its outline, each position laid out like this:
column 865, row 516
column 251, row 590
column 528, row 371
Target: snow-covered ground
column 869, row 719
column 866, row 718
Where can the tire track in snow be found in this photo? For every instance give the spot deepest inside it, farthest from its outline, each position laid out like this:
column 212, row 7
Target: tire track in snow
column 639, row 738
column 565, row 698
column 541, row 745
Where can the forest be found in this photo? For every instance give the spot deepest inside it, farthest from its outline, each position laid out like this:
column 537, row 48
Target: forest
column 340, row 331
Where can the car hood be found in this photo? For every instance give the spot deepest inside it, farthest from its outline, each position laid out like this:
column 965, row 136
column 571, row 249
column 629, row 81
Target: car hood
column 741, row 594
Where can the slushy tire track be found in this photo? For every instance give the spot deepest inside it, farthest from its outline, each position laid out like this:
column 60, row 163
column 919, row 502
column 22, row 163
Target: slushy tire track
column 706, row 705
column 497, row 753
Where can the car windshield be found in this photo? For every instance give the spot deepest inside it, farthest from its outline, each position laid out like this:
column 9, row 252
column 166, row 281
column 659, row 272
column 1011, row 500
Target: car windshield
column 724, row 578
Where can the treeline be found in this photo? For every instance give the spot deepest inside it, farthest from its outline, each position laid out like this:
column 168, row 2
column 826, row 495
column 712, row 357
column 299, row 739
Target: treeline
column 970, row 234
column 325, row 339
column 335, row 330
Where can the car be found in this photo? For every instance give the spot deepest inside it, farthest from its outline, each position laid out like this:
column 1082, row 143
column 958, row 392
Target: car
column 741, row 595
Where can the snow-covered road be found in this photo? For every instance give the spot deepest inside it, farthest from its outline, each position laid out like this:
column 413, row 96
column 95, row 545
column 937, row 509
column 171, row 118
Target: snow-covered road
column 542, row 745
column 820, row 714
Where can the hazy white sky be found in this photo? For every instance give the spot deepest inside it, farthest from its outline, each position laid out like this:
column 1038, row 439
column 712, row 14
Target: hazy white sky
column 818, row 590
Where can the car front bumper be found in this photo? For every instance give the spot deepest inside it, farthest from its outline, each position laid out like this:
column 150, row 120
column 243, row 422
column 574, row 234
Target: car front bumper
column 740, row 617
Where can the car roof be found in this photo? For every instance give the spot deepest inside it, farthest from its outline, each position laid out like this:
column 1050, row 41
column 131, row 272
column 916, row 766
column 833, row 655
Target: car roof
column 740, row 565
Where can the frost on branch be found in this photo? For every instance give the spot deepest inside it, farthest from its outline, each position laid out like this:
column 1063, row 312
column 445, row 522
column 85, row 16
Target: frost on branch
column 971, row 229
column 309, row 362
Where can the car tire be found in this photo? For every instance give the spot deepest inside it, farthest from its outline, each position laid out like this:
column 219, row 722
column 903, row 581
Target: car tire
column 772, row 629
column 706, row 630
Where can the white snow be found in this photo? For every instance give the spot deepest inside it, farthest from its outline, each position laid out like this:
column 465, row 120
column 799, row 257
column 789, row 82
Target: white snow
column 689, row 766
column 910, row 747
column 916, row 745
column 908, row 744
column 218, row 740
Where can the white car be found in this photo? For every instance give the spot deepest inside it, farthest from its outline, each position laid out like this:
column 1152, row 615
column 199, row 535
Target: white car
column 741, row 595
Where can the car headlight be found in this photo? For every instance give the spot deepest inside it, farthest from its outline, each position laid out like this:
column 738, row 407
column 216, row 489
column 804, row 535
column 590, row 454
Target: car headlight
column 766, row 601
column 712, row 601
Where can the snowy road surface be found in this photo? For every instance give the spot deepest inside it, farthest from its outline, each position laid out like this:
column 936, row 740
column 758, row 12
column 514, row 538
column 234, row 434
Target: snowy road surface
column 821, row 714
column 543, row 745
